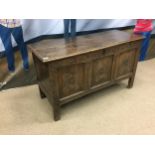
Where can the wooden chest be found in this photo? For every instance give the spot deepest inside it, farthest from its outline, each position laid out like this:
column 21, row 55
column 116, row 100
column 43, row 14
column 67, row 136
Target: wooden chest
column 69, row 69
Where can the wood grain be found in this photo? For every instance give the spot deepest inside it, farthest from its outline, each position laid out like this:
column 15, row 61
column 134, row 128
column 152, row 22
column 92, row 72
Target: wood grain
column 67, row 70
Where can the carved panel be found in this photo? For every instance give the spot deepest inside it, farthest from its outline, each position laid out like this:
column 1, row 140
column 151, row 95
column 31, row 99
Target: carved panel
column 70, row 80
column 101, row 70
column 125, row 62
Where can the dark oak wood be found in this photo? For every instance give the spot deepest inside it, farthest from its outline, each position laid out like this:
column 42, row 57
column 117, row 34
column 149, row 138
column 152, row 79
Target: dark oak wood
column 42, row 95
column 67, row 70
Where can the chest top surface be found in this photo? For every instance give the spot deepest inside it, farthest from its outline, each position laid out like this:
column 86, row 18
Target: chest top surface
column 56, row 49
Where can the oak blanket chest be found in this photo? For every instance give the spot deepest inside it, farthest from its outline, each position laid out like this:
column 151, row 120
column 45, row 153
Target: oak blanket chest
column 69, row 69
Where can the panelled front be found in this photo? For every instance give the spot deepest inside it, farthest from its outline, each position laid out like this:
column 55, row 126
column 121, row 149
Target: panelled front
column 77, row 75
column 80, row 74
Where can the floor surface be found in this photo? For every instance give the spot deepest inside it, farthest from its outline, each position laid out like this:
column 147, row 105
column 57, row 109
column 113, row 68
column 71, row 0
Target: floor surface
column 115, row 110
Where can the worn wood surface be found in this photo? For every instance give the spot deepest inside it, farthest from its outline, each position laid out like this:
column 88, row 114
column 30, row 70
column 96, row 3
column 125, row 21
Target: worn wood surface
column 55, row 49
column 67, row 70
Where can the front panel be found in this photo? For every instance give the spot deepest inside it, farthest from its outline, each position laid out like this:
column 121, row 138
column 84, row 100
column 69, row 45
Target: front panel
column 124, row 63
column 101, row 70
column 71, row 79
